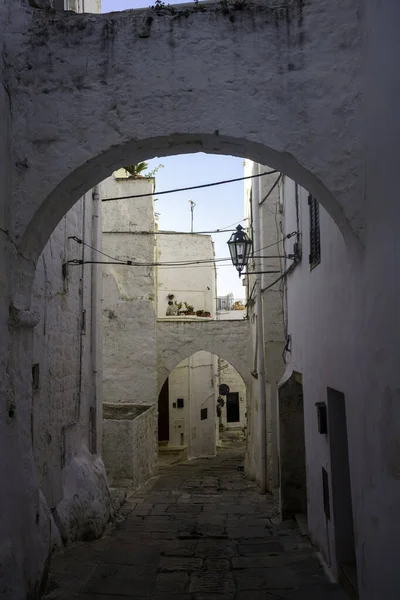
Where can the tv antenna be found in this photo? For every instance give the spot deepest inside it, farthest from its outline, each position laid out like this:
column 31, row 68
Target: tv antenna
column 192, row 205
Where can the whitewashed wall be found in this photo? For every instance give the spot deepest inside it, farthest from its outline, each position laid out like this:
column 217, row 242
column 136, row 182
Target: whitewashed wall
column 128, row 306
column 318, row 325
column 194, row 380
column 274, row 338
column 194, row 284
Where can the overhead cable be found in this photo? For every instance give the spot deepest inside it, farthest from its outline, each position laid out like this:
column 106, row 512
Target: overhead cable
column 193, row 187
column 271, row 190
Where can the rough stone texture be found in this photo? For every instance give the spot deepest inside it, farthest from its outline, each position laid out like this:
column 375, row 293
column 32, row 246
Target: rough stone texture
column 178, row 340
column 62, row 351
column 316, row 112
column 227, row 548
column 300, row 70
column 86, row 507
column 130, row 443
column 128, row 304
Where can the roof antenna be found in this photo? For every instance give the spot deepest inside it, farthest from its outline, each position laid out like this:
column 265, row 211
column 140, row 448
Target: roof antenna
column 192, row 205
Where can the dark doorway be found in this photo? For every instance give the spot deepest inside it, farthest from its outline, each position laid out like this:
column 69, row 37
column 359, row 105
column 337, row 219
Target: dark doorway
column 163, row 413
column 341, row 491
column 232, row 407
column 292, row 455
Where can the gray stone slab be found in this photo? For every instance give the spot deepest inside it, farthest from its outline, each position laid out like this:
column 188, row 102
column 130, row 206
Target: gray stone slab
column 212, row 583
column 116, row 553
column 249, row 549
column 276, row 579
column 217, row 564
column 121, row 580
column 172, row 582
column 247, row 532
column 178, row 548
column 215, row 549
column 173, row 563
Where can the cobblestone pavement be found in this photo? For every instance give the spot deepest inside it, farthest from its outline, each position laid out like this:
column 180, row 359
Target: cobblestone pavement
column 199, row 531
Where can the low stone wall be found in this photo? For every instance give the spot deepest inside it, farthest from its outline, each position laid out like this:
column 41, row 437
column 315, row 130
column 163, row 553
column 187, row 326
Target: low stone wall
column 129, row 443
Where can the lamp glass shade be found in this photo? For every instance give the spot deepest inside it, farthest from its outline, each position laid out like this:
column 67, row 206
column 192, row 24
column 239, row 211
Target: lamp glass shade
column 239, row 246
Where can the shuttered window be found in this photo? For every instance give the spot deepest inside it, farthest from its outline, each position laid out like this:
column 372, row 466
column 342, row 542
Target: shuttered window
column 315, row 238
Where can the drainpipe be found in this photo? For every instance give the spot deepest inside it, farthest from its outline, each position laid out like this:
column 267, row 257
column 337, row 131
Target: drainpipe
column 82, row 312
column 260, row 339
column 95, row 350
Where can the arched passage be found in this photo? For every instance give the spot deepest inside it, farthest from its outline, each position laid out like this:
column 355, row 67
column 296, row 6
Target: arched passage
column 125, row 87
column 191, row 410
column 177, row 340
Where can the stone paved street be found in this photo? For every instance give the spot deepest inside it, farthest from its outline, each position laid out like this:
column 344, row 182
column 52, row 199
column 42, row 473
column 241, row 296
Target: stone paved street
column 199, row 531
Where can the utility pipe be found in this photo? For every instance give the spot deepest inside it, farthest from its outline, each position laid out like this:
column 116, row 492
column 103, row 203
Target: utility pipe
column 260, row 341
column 95, row 350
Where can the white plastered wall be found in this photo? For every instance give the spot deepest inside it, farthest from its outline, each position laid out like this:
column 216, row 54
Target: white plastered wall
column 128, row 306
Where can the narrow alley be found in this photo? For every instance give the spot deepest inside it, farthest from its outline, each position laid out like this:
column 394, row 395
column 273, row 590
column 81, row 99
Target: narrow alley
column 199, row 530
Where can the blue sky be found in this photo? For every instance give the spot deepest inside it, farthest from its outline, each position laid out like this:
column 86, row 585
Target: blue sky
column 216, row 207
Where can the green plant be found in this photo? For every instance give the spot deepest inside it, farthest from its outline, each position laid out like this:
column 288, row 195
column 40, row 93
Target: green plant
column 189, row 308
column 171, row 296
column 200, row 313
column 179, row 305
column 136, row 171
column 154, row 171
column 159, row 6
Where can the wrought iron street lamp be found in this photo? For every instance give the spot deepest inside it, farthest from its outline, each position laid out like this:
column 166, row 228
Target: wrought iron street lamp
column 239, row 247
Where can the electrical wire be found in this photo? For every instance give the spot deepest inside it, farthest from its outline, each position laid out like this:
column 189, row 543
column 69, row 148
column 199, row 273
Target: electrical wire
column 132, row 262
column 193, row 187
column 288, row 236
column 271, row 190
column 287, row 272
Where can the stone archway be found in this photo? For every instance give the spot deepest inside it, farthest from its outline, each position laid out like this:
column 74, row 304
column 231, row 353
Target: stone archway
column 89, row 93
column 230, row 340
column 265, row 83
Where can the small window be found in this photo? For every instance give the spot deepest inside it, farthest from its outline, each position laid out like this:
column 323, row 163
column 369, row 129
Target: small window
column 315, row 238
column 203, row 414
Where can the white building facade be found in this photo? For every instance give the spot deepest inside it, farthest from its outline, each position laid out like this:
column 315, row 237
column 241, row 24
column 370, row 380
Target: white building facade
column 312, row 463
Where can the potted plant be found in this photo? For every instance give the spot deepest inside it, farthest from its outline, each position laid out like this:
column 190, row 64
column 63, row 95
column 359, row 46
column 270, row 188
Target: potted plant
column 189, row 309
column 206, row 313
column 200, row 313
column 171, row 296
column 136, row 171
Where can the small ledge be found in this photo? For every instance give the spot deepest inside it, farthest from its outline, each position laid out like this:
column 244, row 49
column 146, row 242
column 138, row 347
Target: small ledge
column 185, row 318
column 22, row 319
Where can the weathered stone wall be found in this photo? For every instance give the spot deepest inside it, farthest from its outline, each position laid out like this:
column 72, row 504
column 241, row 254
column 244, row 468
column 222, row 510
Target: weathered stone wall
column 317, row 113
column 207, row 64
column 130, row 443
column 65, row 399
column 128, row 306
column 178, row 340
